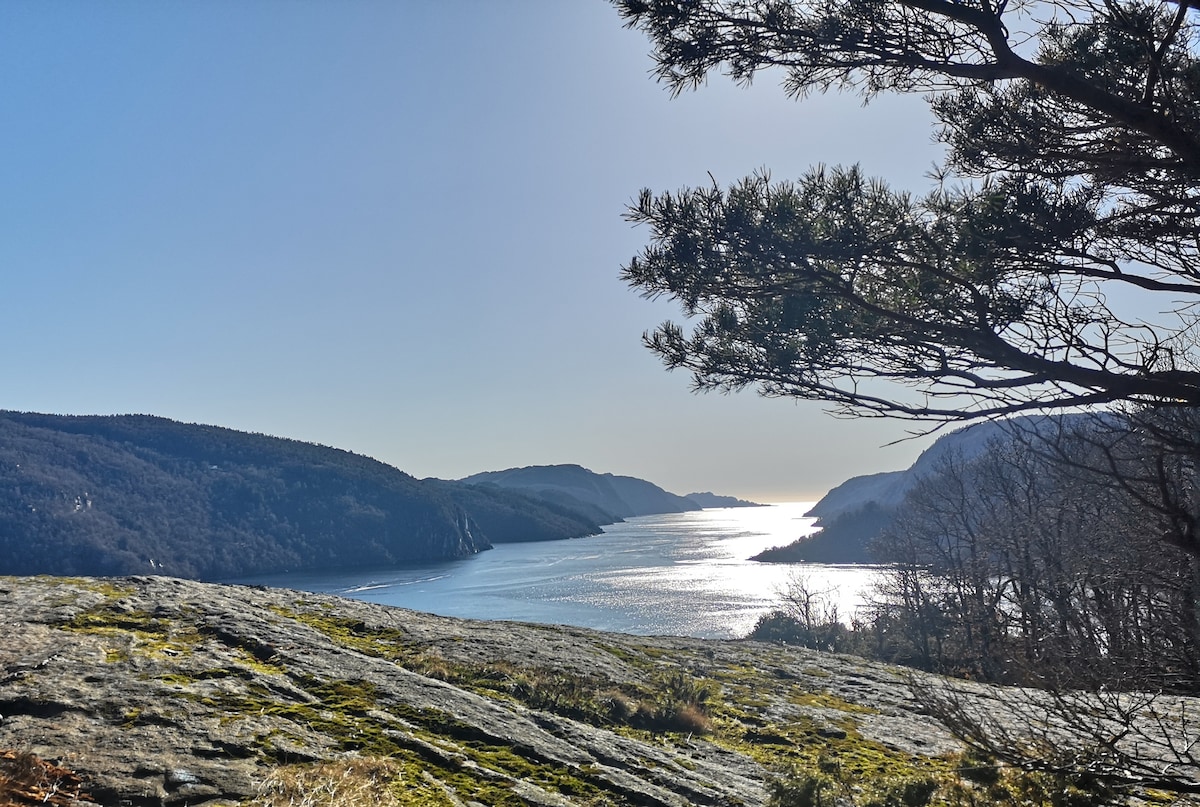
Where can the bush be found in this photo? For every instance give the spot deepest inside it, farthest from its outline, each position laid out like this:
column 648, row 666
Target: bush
column 807, row 617
column 782, row 628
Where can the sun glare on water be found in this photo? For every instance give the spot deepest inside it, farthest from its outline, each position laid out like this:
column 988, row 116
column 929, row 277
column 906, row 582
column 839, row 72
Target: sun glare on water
column 684, row 574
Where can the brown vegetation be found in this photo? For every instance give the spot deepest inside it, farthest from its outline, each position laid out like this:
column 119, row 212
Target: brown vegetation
column 336, row 783
column 26, row 779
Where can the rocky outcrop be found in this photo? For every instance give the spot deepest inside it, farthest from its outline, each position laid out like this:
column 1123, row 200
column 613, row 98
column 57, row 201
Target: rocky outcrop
column 160, row 691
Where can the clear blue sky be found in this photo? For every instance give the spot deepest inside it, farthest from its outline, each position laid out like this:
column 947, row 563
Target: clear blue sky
column 394, row 228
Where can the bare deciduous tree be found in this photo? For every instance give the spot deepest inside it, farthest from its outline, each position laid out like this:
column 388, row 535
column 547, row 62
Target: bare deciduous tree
column 1022, row 565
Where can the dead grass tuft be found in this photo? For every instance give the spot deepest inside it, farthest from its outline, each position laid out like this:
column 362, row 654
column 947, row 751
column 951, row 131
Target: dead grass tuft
column 347, row 782
column 25, row 779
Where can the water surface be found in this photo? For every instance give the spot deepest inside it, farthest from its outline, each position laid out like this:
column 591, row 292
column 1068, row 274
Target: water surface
column 683, row 574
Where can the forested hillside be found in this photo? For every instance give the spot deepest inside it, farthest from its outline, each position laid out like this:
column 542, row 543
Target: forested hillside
column 132, row 494
column 606, row 496
column 855, row 513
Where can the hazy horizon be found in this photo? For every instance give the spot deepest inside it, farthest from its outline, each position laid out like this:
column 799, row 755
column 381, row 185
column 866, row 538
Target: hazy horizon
column 395, row 229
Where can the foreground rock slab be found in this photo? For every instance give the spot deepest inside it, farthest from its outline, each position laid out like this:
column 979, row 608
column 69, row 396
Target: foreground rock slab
column 159, row 691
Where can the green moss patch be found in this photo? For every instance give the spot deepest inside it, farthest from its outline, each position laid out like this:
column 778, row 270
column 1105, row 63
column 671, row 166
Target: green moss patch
column 138, row 631
column 671, row 701
column 806, row 735
column 433, row 753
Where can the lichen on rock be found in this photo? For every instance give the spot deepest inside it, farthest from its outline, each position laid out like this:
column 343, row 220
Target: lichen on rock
column 159, row 691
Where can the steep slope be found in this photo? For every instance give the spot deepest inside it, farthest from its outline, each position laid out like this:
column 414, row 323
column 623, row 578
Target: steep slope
column 511, row 516
column 125, row 494
column 886, row 489
column 855, row 512
column 616, row 496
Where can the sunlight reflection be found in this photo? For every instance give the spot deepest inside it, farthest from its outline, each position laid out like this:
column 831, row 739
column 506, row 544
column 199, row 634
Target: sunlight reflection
column 682, row 573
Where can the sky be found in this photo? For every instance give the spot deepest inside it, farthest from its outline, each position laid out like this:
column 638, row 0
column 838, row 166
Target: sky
column 395, row 227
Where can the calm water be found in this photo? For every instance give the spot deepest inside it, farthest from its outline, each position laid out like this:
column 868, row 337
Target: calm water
column 681, row 574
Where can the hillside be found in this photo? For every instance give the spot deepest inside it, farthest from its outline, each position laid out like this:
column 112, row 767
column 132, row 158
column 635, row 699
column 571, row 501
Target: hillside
column 885, row 489
column 710, row 499
column 855, row 512
column 152, row 691
column 134, row 494
column 616, row 497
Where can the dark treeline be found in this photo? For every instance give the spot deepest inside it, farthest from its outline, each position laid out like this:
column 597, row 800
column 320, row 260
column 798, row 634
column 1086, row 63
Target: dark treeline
column 1058, row 557
column 140, row 494
column 844, row 538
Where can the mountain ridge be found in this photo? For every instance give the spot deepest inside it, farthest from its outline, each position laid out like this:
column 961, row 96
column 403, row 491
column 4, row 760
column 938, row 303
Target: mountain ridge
column 130, row 494
column 707, row 499
column 619, row 496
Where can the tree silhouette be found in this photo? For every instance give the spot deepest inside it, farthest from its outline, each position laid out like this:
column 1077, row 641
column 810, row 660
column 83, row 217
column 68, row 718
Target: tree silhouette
column 1071, row 183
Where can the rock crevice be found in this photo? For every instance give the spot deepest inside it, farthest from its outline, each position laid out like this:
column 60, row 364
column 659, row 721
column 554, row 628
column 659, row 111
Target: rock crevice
column 159, row 691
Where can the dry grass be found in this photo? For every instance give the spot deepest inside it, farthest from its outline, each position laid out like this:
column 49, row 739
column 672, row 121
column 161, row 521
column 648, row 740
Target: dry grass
column 25, row 779
column 350, row 782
